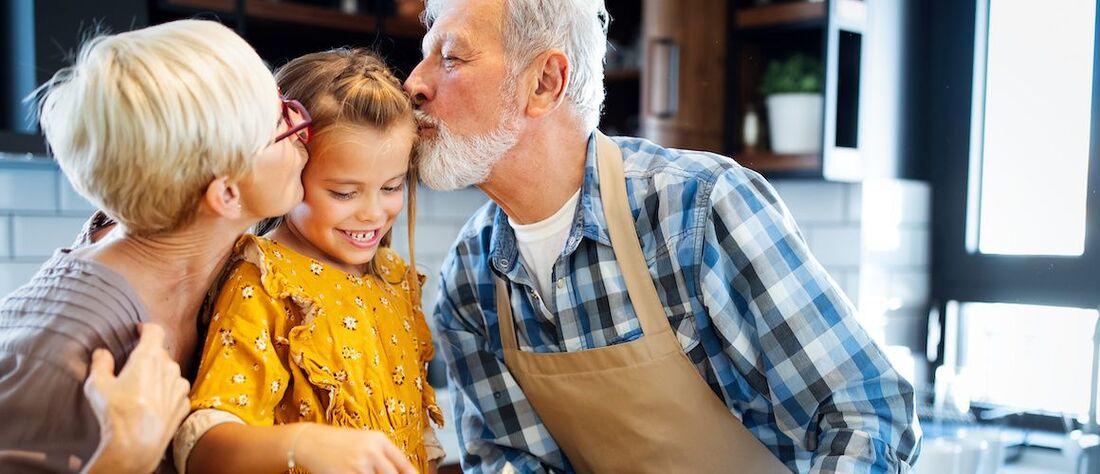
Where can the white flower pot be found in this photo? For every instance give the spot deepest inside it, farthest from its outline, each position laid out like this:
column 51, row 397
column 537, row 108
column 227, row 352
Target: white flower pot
column 794, row 121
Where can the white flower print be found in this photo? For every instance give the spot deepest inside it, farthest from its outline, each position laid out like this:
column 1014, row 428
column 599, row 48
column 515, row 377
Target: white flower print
column 227, row 337
column 242, row 401
column 215, row 402
column 315, row 268
column 406, row 325
column 393, row 339
column 391, row 404
column 401, row 407
column 275, row 386
column 340, row 376
column 370, row 388
column 350, row 353
column 377, row 360
column 419, row 383
column 350, row 323
column 277, row 254
column 358, row 301
column 339, row 287
column 385, row 301
column 261, row 342
column 304, row 409
column 248, row 291
column 238, row 378
column 399, row 375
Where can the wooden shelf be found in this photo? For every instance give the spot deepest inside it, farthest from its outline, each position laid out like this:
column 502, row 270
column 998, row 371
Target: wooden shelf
column 783, row 14
column 625, row 74
column 308, row 15
column 767, row 162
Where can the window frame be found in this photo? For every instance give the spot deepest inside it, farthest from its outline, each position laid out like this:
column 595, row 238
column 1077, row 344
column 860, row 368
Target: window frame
column 945, row 134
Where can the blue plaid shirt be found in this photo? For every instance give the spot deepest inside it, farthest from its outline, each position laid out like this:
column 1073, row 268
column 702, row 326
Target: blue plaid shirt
column 759, row 317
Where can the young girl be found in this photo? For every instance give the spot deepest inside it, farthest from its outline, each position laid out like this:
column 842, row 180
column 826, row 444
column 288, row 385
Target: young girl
column 317, row 349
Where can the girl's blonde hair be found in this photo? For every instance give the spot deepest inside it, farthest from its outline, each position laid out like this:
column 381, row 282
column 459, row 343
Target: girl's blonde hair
column 145, row 120
column 352, row 86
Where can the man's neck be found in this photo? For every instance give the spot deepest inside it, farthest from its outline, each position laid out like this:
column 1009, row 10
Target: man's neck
column 540, row 174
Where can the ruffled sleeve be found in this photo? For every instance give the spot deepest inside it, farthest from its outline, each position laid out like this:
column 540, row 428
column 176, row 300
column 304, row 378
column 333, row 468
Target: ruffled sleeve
column 242, row 370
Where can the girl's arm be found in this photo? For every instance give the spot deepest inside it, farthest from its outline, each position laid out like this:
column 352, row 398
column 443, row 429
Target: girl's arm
column 320, row 449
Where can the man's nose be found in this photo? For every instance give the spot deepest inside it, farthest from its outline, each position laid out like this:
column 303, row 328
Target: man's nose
column 416, row 86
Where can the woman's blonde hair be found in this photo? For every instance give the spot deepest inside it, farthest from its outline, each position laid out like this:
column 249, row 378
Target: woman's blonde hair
column 352, row 86
column 143, row 121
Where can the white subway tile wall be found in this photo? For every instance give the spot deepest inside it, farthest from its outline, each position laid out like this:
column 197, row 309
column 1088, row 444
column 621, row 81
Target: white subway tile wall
column 71, row 201
column 835, row 244
column 5, row 236
column 39, row 212
column 814, row 201
column 38, row 236
column 24, row 189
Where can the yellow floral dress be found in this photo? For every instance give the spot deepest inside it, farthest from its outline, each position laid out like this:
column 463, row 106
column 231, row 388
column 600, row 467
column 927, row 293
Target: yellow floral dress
column 295, row 340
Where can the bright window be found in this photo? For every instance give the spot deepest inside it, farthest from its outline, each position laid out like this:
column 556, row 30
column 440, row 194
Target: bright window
column 1030, row 152
column 1034, row 358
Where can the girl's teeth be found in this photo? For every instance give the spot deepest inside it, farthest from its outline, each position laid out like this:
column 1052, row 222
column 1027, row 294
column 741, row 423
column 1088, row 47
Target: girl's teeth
column 361, row 235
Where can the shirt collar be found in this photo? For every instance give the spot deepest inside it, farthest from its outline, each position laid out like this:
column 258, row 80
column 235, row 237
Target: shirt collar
column 588, row 223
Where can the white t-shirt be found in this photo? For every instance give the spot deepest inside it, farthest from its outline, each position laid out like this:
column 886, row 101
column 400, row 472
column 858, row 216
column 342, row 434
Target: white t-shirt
column 541, row 243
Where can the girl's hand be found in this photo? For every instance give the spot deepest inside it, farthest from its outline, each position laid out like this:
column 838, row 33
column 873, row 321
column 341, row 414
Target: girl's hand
column 323, row 449
column 140, row 409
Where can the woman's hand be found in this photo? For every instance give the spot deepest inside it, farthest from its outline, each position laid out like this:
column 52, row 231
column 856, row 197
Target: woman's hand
column 323, row 449
column 140, row 409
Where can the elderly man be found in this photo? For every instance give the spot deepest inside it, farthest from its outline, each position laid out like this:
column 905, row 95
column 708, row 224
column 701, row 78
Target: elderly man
column 620, row 306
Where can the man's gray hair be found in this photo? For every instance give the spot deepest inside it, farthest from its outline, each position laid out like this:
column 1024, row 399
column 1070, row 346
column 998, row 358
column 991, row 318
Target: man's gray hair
column 577, row 27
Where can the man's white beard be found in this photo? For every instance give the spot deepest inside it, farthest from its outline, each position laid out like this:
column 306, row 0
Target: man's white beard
column 449, row 161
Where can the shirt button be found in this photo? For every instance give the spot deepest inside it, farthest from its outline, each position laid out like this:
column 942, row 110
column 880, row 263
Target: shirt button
column 561, row 283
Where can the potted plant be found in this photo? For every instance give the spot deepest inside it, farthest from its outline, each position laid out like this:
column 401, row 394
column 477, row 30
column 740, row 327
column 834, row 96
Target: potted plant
column 792, row 92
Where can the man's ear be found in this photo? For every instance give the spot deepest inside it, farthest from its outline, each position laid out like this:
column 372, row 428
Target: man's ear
column 551, row 73
column 223, row 198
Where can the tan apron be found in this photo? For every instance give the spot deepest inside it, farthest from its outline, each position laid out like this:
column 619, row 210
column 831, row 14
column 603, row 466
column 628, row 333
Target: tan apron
column 639, row 406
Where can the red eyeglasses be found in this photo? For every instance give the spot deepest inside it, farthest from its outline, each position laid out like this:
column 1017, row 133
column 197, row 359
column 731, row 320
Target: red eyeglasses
column 298, row 121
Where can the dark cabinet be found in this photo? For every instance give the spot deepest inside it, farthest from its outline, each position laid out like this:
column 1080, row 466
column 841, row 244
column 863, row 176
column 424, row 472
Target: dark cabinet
column 706, row 60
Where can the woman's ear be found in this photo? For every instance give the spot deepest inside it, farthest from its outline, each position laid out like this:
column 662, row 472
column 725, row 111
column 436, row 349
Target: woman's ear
column 223, row 198
column 551, row 71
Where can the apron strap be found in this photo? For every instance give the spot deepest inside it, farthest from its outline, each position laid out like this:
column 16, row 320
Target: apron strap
column 624, row 242
column 624, row 238
column 508, row 337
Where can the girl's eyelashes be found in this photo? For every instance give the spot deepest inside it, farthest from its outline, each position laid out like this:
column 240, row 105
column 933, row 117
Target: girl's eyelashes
column 342, row 196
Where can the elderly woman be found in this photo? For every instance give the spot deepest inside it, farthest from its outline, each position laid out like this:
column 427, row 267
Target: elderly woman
column 178, row 133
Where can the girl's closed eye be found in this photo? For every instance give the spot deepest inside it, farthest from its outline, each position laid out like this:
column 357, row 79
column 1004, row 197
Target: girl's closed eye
column 394, row 189
column 342, row 196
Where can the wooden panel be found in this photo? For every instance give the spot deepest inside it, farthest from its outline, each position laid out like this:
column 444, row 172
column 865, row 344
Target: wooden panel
column 780, row 14
column 773, row 163
column 310, row 15
column 698, row 30
column 687, row 138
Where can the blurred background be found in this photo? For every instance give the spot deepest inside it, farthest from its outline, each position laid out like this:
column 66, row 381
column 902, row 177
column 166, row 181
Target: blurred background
column 940, row 157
